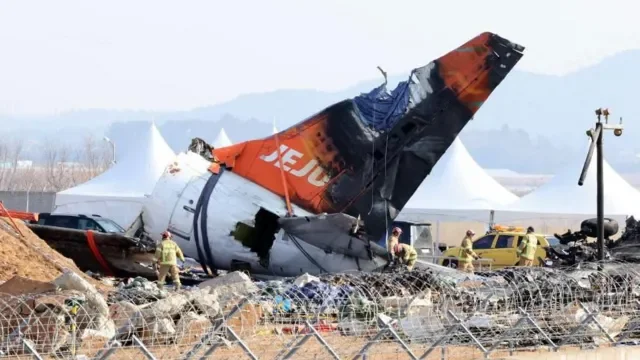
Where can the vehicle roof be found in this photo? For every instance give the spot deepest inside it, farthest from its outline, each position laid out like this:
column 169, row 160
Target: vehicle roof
column 514, row 233
column 94, row 216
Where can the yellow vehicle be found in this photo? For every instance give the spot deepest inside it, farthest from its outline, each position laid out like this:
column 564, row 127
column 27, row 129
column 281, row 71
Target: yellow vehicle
column 501, row 245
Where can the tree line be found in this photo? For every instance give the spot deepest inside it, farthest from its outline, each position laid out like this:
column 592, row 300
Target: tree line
column 61, row 166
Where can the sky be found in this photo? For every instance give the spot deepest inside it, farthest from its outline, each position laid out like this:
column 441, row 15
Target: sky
column 58, row 56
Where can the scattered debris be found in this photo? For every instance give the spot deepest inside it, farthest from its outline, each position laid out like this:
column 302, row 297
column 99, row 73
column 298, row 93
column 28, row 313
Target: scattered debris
column 137, row 291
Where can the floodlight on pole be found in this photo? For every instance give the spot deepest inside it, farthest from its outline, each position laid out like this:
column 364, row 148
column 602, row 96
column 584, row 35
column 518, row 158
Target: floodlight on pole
column 596, row 136
column 113, row 149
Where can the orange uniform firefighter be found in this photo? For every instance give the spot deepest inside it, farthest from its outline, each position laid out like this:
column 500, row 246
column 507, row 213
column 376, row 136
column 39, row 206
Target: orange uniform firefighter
column 167, row 253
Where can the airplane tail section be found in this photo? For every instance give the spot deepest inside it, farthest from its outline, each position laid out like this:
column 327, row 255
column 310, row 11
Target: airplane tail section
column 367, row 155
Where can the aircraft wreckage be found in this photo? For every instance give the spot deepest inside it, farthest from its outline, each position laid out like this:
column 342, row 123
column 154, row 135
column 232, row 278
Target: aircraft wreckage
column 289, row 203
column 317, row 196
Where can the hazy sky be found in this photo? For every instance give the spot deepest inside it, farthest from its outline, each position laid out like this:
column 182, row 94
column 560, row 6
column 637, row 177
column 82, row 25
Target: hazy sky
column 174, row 55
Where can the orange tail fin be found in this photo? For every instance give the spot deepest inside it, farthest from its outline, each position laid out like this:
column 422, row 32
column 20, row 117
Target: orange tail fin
column 366, row 156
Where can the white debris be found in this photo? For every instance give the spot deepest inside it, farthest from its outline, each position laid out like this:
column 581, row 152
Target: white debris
column 575, row 314
column 208, row 304
column 304, row 279
column 169, row 306
column 71, row 281
column 482, row 321
column 158, row 330
column 235, row 284
column 191, row 327
column 105, row 328
column 402, row 306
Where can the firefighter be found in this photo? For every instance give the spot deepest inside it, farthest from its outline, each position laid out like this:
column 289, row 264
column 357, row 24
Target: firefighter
column 405, row 255
column 166, row 254
column 393, row 239
column 466, row 256
column 527, row 248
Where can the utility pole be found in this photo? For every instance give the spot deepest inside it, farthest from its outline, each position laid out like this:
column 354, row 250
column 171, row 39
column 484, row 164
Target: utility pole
column 596, row 141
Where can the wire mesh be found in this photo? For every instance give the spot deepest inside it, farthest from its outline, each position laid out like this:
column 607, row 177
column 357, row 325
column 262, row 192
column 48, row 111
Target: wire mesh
column 417, row 314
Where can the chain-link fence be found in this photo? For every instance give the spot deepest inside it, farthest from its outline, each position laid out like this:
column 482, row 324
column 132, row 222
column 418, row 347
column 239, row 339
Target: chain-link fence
column 421, row 314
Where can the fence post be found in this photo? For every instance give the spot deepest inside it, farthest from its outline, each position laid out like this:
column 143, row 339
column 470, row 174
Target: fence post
column 386, row 324
column 305, row 338
column 591, row 317
column 143, row 348
column 524, row 317
column 216, row 328
column 31, row 349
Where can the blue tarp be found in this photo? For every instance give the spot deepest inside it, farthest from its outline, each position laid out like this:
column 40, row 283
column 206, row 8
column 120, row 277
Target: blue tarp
column 381, row 109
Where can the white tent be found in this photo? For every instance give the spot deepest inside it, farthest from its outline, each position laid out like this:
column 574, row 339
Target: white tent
column 458, row 188
column 222, row 140
column 120, row 192
column 563, row 196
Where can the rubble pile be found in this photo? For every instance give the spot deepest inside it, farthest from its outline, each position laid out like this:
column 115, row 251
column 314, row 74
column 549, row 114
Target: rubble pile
column 44, row 317
column 138, row 291
column 490, row 302
column 31, row 257
column 54, row 317
column 425, row 303
column 575, row 247
column 627, row 248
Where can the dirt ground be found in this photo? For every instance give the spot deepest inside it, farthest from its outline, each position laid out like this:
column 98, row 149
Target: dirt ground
column 31, row 257
column 275, row 347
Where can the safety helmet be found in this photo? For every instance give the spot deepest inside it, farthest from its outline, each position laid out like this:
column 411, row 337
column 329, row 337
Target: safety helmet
column 396, row 248
column 470, row 232
column 530, row 229
column 166, row 235
column 397, row 230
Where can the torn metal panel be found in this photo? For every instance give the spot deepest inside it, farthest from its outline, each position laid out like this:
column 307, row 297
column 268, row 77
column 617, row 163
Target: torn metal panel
column 331, row 233
column 121, row 252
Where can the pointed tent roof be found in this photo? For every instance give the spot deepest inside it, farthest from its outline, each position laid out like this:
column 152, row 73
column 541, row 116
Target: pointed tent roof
column 120, row 192
column 457, row 182
column 132, row 176
column 222, row 140
column 563, row 195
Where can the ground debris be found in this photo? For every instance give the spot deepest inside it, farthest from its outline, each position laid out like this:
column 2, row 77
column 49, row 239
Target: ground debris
column 137, row 291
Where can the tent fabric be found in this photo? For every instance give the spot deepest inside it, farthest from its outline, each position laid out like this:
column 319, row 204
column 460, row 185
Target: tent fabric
column 563, row 196
column 458, row 185
column 222, row 140
column 120, row 192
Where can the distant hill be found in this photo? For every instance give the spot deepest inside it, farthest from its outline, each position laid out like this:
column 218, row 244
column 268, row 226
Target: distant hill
column 531, row 124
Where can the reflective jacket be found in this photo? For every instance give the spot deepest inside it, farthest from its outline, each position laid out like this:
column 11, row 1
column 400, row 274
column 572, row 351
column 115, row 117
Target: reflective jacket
column 466, row 250
column 167, row 252
column 406, row 253
column 528, row 246
column 391, row 242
